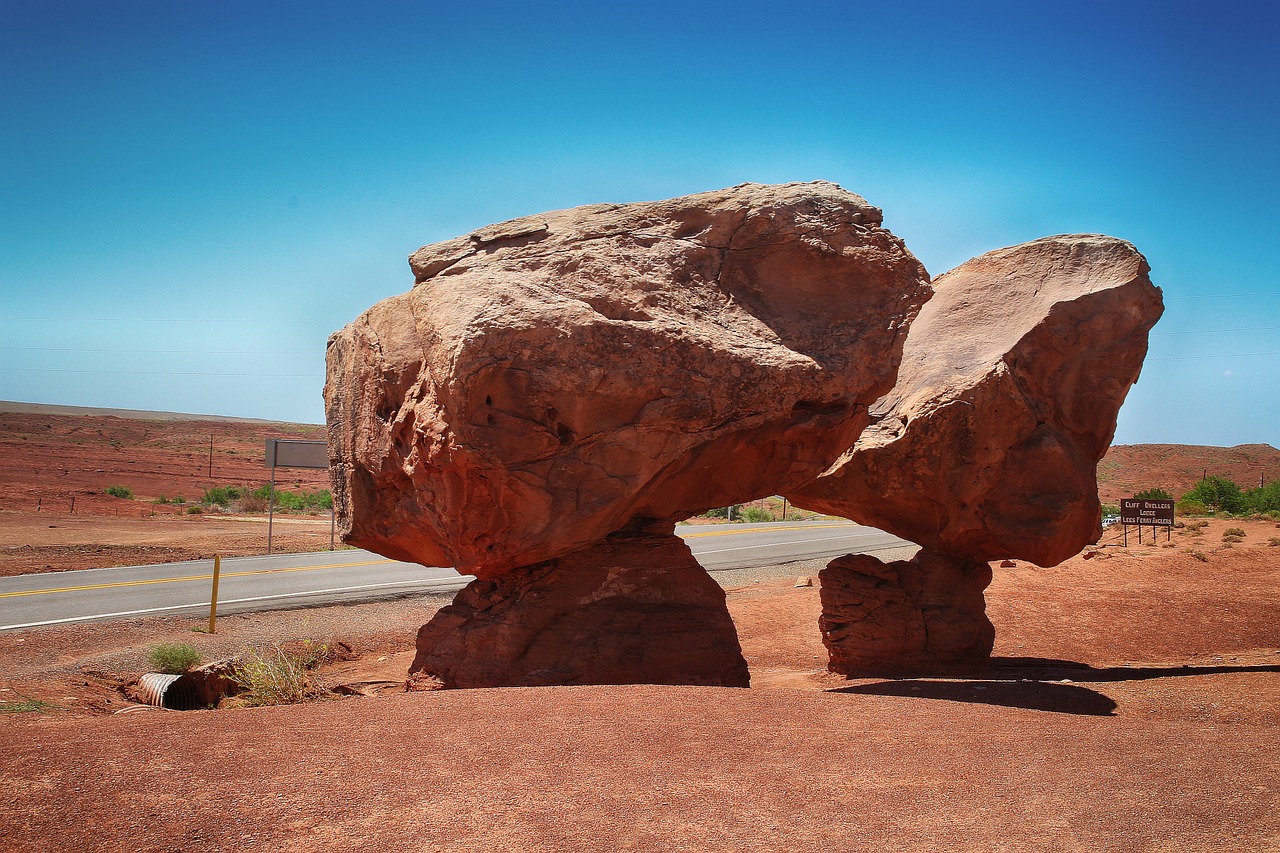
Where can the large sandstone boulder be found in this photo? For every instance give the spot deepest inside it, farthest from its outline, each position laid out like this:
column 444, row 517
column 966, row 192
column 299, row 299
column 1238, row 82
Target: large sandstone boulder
column 1011, row 380
column 551, row 380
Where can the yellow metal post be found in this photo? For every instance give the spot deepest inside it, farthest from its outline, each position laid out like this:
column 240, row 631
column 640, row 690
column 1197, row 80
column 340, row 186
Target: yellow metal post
column 213, row 601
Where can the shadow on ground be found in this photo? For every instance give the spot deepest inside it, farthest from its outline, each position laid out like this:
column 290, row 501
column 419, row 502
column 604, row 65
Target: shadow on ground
column 1039, row 684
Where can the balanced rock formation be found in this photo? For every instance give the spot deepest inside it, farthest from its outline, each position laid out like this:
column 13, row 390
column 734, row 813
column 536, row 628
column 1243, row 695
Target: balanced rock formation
column 1011, row 380
column 549, row 380
column 880, row 618
column 635, row 608
column 556, row 391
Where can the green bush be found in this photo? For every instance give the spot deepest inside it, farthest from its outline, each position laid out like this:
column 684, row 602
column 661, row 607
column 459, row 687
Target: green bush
column 174, row 658
column 296, row 501
column 1110, row 509
column 278, row 676
column 119, row 492
column 179, row 500
column 1217, row 493
column 755, row 514
column 1153, row 495
column 1265, row 499
column 221, row 495
column 1191, row 507
column 723, row 512
column 194, row 510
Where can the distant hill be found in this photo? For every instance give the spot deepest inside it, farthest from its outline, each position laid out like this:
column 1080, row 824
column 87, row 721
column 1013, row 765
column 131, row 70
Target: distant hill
column 1176, row 468
column 133, row 414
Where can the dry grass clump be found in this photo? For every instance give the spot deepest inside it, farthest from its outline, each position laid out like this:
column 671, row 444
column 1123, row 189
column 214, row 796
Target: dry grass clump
column 279, row 674
column 1194, row 528
column 1199, row 555
column 1233, row 534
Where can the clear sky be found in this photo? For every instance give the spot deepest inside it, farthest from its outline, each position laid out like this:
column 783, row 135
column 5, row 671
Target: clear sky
column 194, row 195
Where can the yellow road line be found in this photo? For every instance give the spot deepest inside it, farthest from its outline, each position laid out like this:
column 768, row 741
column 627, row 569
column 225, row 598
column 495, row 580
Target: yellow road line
column 728, row 532
column 737, row 529
column 188, row 578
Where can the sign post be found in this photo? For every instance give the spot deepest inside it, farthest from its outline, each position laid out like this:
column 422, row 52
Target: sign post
column 213, row 598
column 1152, row 513
column 293, row 453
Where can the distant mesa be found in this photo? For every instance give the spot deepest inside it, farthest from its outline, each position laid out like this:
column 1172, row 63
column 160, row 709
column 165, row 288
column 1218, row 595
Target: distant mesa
column 555, row 392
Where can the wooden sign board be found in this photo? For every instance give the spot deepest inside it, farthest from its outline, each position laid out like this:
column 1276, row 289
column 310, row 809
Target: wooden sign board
column 294, row 453
column 1150, row 513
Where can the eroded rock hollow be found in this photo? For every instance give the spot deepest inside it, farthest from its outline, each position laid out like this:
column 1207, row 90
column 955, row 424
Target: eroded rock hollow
column 556, row 391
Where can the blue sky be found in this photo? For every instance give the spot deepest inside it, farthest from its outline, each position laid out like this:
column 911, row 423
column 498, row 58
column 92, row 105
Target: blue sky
column 196, row 195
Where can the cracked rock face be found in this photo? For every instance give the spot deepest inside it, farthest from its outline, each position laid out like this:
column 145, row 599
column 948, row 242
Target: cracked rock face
column 551, row 379
column 1011, row 380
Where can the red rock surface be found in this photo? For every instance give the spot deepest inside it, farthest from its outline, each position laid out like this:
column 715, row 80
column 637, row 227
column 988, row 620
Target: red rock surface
column 635, row 609
column 548, row 380
column 906, row 614
column 1007, row 397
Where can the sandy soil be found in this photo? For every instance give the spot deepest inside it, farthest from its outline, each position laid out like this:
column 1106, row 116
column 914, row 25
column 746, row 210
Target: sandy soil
column 1132, row 704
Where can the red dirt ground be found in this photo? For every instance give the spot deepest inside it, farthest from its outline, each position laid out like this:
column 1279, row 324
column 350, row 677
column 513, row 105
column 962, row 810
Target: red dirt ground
column 1132, row 704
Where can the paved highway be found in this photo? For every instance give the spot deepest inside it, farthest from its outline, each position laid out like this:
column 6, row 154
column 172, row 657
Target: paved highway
column 292, row 580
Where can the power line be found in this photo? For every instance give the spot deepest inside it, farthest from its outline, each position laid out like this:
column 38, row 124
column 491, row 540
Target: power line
column 1228, row 295
column 157, row 372
column 1214, row 331
column 1223, row 355
column 272, row 320
column 157, row 351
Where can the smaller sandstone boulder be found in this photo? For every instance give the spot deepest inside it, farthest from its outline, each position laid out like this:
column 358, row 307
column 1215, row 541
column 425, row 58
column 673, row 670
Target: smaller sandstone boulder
column 1011, row 379
column 892, row 618
column 633, row 609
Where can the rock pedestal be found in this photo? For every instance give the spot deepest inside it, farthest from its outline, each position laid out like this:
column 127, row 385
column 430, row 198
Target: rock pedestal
column 909, row 615
column 634, row 609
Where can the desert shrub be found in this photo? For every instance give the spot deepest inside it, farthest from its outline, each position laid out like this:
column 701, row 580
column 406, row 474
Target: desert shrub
column 252, row 503
column 723, row 512
column 1217, row 493
column 1199, row 555
column 297, row 501
column 25, row 705
column 194, row 510
column 1274, row 541
column 1264, row 499
column 1153, row 495
column 179, row 500
column 221, row 495
column 1188, row 506
column 161, row 500
column 175, row 658
column 755, row 514
column 1109, row 510
column 278, row 675
column 119, row 492
column 1234, row 531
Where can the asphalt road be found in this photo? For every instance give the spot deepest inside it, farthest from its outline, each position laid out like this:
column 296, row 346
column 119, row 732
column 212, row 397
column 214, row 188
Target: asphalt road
column 293, row 580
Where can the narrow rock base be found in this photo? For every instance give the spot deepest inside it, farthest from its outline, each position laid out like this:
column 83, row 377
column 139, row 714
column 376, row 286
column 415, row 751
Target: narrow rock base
column 904, row 617
column 634, row 609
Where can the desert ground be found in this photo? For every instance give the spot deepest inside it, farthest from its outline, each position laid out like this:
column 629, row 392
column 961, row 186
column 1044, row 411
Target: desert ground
column 1132, row 703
